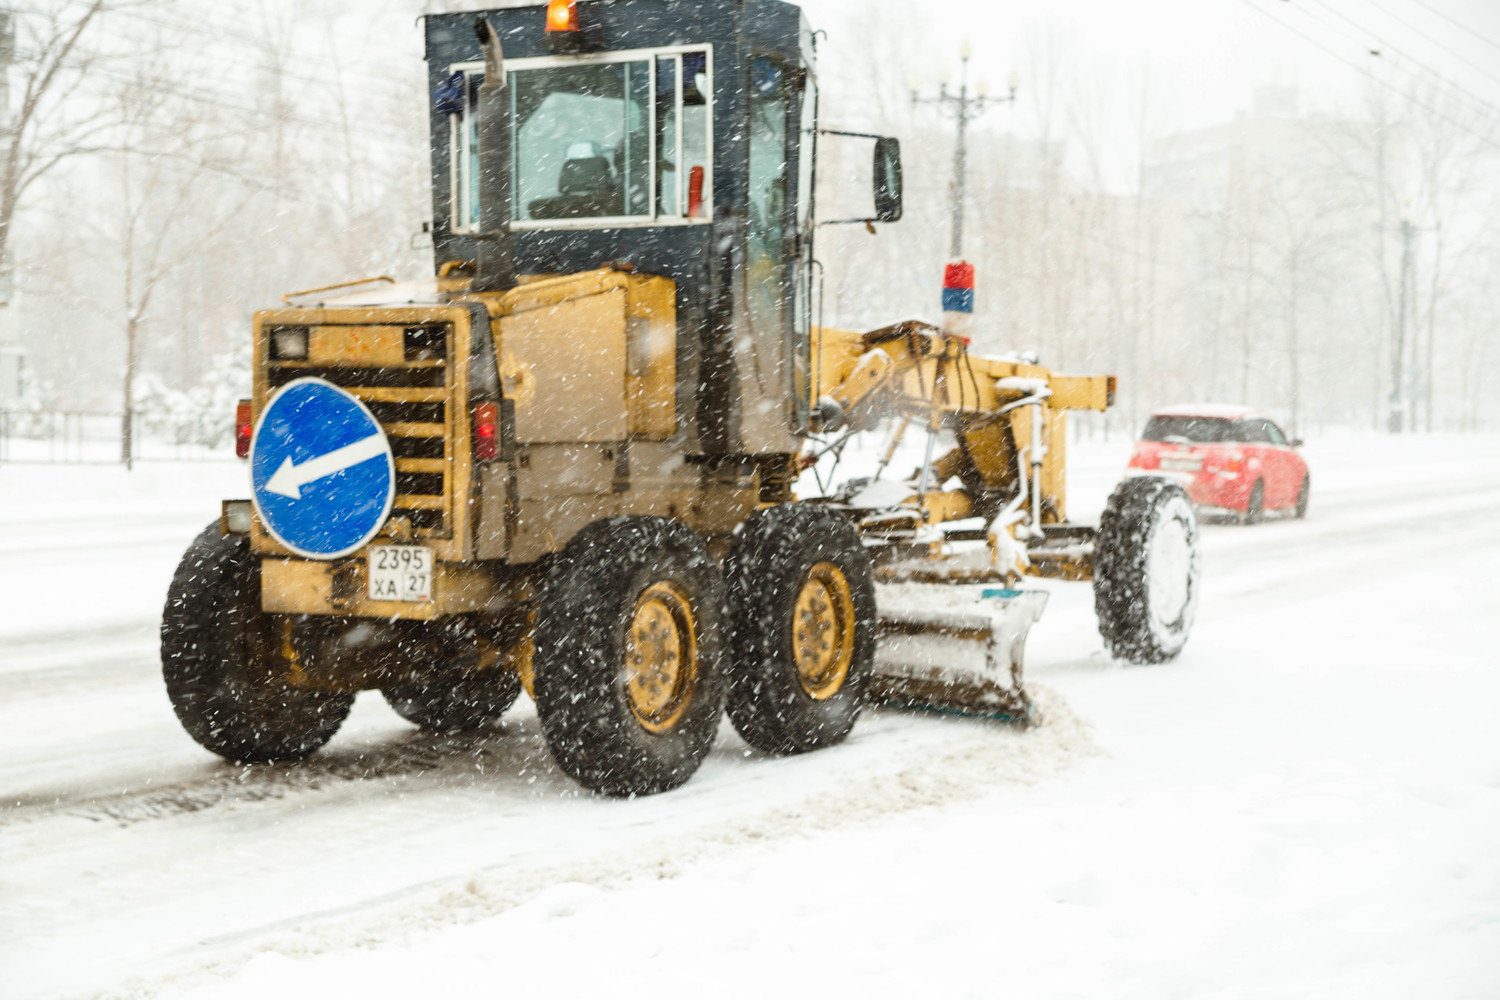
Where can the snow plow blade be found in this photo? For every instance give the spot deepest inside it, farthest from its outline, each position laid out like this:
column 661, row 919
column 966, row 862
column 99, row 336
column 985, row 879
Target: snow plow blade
column 956, row 662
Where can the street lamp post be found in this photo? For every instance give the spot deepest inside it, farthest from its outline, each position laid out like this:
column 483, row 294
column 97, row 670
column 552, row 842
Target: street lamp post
column 963, row 108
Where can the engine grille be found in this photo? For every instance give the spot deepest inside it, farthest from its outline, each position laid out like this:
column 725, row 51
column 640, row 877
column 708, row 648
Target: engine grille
column 411, row 400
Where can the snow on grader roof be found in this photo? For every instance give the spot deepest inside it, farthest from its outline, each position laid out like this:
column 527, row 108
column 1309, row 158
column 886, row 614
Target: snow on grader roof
column 567, row 464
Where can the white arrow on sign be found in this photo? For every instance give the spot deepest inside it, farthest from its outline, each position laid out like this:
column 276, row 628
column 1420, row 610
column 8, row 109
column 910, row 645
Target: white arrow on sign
column 289, row 479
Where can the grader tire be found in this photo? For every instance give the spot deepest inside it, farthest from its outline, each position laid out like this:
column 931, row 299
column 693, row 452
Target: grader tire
column 464, row 704
column 803, row 599
column 629, row 656
column 223, row 662
column 1146, row 567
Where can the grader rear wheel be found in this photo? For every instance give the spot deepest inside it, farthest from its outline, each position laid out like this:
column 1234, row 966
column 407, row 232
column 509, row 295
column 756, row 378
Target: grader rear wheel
column 225, row 662
column 804, row 627
column 465, row 703
column 629, row 681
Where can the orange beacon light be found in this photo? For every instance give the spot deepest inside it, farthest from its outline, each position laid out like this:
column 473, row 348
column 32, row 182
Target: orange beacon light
column 562, row 15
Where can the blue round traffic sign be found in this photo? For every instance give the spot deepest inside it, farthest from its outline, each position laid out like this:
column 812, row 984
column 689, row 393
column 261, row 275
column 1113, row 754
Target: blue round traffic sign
column 321, row 472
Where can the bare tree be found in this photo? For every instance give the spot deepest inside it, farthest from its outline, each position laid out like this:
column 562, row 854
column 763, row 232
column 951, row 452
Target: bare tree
column 49, row 124
column 176, row 189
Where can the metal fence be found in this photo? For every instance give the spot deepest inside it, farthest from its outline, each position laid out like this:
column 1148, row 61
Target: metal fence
column 84, row 437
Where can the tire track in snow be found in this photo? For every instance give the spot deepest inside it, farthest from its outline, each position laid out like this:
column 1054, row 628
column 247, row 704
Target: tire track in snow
column 1278, row 561
column 467, row 760
column 989, row 759
column 59, row 665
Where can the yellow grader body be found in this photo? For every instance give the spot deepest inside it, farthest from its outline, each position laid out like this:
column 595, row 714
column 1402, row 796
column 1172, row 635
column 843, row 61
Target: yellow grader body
column 582, row 481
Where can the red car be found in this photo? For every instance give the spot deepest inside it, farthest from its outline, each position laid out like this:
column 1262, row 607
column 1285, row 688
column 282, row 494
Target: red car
column 1226, row 457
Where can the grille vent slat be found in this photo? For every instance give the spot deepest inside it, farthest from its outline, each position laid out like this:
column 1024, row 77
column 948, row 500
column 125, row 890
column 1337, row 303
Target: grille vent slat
column 349, row 377
column 416, row 448
column 408, row 413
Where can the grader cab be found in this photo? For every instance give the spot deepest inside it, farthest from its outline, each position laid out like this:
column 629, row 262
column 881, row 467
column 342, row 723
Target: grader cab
column 572, row 461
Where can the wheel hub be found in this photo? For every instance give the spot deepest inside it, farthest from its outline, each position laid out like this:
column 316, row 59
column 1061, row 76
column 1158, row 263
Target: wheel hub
column 823, row 631
column 1170, row 567
column 661, row 657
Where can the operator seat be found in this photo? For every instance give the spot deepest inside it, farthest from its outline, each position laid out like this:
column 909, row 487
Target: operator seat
column 586, row 186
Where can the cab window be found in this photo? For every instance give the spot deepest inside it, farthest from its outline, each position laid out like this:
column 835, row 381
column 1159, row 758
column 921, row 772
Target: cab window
column 624, row 138
column 766, row 242
column 582, row 146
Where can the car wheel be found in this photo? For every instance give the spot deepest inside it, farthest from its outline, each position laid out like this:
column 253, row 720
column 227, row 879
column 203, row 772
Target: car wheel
column 1302, row 495
column 1255, row 507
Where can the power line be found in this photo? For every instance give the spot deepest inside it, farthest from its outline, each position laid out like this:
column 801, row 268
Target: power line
column 1384, row 46
column 1371, row 76
column 1458, row 24
column 1436, row 41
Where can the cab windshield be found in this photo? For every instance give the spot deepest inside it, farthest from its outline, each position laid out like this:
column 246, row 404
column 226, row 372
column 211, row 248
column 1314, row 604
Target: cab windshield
column 626, row 139
column 583, row 141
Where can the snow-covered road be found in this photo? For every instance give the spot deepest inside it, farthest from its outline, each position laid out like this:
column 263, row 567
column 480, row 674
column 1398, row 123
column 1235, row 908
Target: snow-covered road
column 1306, row 803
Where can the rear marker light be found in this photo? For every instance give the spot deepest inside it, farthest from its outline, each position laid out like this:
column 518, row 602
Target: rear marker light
column 486, row 431
column 242, row 428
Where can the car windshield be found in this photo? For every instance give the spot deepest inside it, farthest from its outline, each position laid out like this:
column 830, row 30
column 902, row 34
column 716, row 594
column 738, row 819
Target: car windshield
column 1196, row 430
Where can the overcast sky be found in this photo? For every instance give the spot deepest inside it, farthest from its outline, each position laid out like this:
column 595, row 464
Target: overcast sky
column 1214, row 51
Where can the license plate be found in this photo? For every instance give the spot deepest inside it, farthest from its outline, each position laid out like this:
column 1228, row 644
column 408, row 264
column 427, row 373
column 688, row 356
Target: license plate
column 400, row 573
column 1182, row 464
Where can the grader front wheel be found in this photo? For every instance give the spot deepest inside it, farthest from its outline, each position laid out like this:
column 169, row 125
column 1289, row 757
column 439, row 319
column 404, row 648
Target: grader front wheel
column 804, row 628
column 629, row 678
column 225, row 662
column 1146, row 567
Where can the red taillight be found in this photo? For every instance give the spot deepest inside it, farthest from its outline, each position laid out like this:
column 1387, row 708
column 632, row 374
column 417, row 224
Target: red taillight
column 242, row 428
column 562, row 15
column 695, row 193
column 486, row 431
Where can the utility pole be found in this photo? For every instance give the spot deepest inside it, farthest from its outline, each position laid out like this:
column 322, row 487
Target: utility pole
column 1400, row 401
column 1395, row 418
column 963, row 108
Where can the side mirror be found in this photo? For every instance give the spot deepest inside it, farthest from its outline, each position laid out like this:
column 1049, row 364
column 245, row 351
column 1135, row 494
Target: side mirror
column 887, row 180
column 1296, row 442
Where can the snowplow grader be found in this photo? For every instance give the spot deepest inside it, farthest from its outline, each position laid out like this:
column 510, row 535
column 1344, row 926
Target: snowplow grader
column 574, row 461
